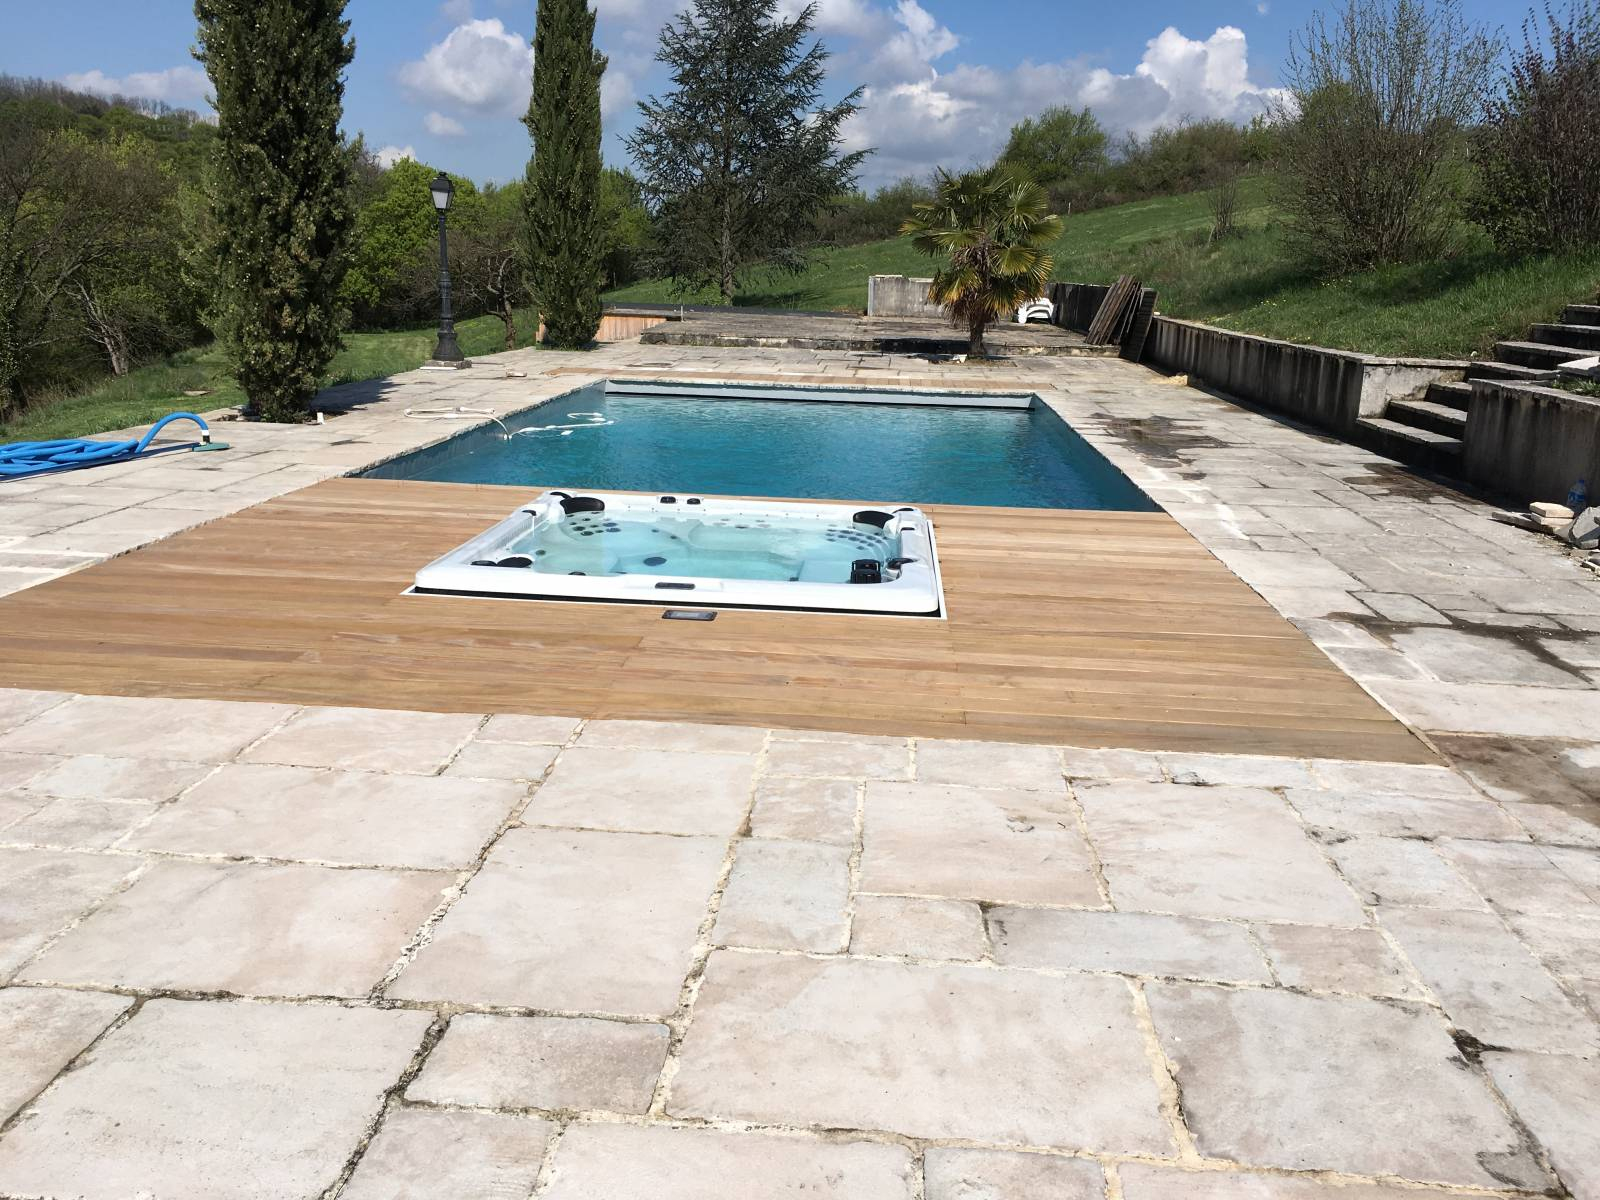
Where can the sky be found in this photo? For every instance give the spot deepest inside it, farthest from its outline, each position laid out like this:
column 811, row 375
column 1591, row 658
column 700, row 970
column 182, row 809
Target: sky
column 945, row 80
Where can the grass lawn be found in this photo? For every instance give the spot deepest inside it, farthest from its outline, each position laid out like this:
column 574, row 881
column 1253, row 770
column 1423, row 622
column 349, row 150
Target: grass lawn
column 150, row 392
column 1453, row 308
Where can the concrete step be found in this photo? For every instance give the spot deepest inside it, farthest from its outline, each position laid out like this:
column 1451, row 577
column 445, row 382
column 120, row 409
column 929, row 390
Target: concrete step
column 1503, row 370
column 1424, row 414
column 1450, row 395
column 1419, row 447
column 1585, row 336
column 1538, row 354
column 1581, row 314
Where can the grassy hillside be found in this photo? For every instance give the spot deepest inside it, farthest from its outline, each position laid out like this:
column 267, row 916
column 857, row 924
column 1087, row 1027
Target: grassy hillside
column 150, row 392
column 1452, row 308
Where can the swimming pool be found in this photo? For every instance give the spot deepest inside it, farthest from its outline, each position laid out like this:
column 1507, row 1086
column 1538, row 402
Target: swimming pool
column 912, row 448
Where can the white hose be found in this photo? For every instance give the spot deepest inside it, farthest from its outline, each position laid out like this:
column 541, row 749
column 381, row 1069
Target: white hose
column 459, row 413
column 595, row 421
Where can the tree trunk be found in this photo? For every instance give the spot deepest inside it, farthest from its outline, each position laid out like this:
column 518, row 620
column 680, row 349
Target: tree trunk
column 509, row 319
column 975, row 346
column 727, row 253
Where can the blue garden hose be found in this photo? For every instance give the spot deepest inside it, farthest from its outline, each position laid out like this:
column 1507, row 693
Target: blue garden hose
column 21, row 459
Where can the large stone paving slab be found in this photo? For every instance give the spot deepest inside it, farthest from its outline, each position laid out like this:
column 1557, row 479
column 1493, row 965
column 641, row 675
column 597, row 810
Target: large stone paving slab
column 785, row 895
column 948, row 1051
column 42, row 890
column 97, row 777
column 1141, row 1181
column 41, row 1031
column 1275, row 1079
column 18, row 705
column 544, row 1062
column 645, row 791
column 1130, row 943
column 348, row 817
column 809, row 810
column 573, row 922
column 1213, row 852
column 247, row 929
column 226, row 1100
column 1490, row 983
column 425, row 1155
column 606, row 1162
column 952, row 929
column 1391, row 814
column 953, row 1174
column 1559, row 1099
column 138, row 727
column 1336, row 960
column 975, row 844
column 989, row 764
column 367, row 739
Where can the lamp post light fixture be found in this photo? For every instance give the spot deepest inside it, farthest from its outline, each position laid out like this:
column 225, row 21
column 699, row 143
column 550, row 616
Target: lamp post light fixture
column 447, row 354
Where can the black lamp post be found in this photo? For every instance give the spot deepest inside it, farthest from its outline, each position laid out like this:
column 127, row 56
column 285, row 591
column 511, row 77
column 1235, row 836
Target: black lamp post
column 446, row 353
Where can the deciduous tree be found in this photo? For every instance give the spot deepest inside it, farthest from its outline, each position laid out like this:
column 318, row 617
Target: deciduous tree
column 1057, row 144
column 1374, row 121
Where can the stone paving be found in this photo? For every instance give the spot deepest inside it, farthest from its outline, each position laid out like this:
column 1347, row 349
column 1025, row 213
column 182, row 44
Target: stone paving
column 253, row 950
column 250, row 950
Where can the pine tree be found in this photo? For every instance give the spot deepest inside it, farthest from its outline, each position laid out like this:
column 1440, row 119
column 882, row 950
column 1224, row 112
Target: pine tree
column 279, row 190
column 562, row 198
column 740, row 158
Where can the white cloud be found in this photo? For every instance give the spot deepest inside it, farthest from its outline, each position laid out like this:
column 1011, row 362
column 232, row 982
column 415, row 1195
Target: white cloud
column 480, row 67
column 387, row 156
column 442, row 126
column 917, row 116
column 175, row 85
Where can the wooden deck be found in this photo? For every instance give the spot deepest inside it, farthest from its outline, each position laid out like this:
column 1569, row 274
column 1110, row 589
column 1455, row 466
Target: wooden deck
column 1079, row 628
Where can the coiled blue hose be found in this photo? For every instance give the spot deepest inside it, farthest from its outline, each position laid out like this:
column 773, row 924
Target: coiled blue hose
column 19, row 459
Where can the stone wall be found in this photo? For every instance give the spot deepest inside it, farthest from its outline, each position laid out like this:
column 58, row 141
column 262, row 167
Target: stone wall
column 1331, row 389
column 901, row 296
column 1528, row 442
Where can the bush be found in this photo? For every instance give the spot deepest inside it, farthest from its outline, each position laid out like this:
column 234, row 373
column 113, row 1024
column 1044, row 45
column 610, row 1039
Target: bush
column 1538, row 150
column 1373, row 131
column 857, row 218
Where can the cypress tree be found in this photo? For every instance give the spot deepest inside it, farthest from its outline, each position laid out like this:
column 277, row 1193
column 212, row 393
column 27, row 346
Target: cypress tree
column 562, row 198
column 279, row 190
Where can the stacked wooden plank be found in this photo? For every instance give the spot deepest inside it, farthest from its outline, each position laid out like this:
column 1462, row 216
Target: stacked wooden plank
column 1116, row 315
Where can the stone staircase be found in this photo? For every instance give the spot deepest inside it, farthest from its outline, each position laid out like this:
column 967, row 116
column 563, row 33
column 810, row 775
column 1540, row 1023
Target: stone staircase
column 1427, row 432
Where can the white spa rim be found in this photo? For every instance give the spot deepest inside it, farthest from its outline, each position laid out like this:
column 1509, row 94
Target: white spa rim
column 499, row 563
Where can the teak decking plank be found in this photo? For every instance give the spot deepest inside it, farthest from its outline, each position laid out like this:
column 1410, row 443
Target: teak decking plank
column 1078, row 628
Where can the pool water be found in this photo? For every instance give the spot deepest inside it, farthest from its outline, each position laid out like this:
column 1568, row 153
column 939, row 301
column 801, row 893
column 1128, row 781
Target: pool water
column 711, row 547
column 801, row 449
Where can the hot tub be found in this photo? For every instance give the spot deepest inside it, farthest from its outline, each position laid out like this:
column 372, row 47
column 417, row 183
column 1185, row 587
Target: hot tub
column 701, row 552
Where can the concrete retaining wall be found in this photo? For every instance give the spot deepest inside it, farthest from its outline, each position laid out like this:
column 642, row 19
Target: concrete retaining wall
column 1077, row 303
column 1530, row 443
column 901, row 296
column 1327, row 388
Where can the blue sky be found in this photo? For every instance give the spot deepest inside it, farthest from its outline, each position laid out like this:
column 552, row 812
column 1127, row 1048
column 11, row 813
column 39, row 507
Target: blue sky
column 447, row 81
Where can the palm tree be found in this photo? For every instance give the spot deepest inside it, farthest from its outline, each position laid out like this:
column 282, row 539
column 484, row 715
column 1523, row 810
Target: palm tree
column 994, row 226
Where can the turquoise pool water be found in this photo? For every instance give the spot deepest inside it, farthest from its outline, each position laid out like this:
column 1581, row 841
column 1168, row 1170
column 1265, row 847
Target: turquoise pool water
column 801, row 449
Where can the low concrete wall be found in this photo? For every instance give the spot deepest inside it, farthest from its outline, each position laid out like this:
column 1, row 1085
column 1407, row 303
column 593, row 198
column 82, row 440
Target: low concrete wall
column 1530, row 443
column 1077, row 303
column 901, row 296
column 1328, row 388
